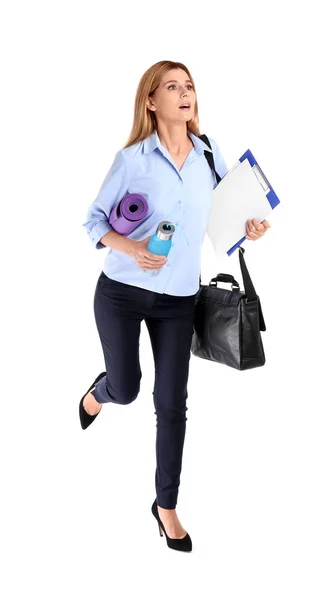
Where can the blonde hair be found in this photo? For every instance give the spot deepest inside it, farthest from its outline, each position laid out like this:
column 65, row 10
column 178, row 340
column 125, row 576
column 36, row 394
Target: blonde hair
column 144, row 122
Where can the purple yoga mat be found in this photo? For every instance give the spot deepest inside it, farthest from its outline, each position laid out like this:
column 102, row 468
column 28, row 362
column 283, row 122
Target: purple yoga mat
column 128, row 213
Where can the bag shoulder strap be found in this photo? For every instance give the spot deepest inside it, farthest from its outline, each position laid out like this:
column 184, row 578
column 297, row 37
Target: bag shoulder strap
column 209, row 156
column 210, row 159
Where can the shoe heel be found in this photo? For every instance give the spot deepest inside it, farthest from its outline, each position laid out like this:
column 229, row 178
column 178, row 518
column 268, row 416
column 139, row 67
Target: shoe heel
column 184, row 543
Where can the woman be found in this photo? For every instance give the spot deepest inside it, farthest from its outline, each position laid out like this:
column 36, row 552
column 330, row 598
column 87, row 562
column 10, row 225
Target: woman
column 164, row 161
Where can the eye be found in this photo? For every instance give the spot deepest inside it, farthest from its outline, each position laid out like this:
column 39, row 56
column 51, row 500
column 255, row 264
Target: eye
column 173, row 85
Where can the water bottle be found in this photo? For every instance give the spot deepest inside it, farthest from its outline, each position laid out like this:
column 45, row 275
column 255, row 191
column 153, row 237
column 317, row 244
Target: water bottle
column 160, row 243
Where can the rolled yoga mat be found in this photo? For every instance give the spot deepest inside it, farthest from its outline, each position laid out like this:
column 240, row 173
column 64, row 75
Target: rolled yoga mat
column 128, row 213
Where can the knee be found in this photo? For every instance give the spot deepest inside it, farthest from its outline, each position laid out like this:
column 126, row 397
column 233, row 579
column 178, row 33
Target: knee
column 171, row 416
column 124, row 394
column 127, row 396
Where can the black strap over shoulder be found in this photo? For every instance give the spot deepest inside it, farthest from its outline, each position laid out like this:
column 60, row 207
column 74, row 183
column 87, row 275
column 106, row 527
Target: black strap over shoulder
column 209, row 156
column 210, row 159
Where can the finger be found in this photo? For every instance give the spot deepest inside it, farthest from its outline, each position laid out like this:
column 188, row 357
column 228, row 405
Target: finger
column 156, row 265
column 258, row 233
column 251, row 225
column 151, row 256
column 252, row 235
column 258, row 226
column 156, row 257
column 148, row 264
column 159, row 259
column 250, row 229
column 266, row 224
column 153, row 266
column 155, row 260
column 263, row 226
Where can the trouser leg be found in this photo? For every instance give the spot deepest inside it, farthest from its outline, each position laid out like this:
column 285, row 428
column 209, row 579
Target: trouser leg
column 118, row 324
column 170, row 330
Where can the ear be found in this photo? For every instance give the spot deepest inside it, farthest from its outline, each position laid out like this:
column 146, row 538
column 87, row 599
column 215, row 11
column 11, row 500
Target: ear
column 150, row 105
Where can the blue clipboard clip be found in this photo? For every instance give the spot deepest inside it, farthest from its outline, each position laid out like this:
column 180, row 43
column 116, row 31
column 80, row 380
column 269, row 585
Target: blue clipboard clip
column 270, row 194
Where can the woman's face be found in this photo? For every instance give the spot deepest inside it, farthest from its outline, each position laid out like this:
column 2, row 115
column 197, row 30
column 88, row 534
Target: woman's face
column 174, row 90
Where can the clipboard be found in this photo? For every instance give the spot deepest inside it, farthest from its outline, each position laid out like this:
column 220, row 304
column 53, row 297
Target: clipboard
column 243, row 193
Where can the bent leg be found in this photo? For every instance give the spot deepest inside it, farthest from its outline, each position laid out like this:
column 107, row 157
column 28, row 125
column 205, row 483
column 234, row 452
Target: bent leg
column 118, row 325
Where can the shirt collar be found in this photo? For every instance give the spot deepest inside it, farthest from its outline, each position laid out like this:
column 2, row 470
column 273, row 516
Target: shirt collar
column 153, row 141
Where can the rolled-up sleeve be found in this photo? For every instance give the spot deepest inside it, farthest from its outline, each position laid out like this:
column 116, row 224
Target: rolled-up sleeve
column 113, row 189
column 220, row 164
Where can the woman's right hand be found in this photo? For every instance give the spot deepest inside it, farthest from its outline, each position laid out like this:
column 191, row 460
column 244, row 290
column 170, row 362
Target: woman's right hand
column 145, row 259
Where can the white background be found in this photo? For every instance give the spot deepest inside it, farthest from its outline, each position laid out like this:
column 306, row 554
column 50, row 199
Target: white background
column 256, row 485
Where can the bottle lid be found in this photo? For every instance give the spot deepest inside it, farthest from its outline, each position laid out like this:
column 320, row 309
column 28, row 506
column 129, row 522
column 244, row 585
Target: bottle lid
column 165, row 230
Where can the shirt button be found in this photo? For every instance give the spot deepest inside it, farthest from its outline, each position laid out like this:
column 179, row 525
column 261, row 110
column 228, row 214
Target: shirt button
column 179, row 201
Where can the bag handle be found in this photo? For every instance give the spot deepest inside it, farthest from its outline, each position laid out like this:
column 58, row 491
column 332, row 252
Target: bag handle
column 226, row 278
column 250, row 292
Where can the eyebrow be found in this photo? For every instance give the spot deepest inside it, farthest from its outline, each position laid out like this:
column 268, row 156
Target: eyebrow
column 177, row 81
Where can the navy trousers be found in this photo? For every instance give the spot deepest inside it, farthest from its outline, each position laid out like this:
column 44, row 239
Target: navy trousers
column 119, row 309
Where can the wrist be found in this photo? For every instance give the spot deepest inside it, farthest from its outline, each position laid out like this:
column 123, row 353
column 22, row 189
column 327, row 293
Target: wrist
column 131, row 247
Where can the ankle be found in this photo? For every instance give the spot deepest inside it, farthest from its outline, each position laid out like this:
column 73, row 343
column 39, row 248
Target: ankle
column 166, row 512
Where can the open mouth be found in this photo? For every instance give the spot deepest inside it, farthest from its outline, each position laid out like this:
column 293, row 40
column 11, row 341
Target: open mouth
column 185, row 106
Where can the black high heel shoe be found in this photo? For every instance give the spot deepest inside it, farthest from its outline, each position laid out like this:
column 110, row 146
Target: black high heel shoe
column 85, row 418
column 184, row 543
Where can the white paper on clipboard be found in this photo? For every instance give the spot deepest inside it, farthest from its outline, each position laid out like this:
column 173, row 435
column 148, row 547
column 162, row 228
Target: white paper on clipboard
column 239, row 196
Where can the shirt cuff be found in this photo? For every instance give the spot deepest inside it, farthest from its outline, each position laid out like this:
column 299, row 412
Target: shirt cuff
column 97, row 232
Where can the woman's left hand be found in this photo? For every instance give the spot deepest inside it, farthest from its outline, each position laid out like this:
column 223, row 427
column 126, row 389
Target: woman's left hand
column 255, row 230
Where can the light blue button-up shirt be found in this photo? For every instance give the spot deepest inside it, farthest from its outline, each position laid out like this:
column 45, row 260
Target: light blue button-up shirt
column 182, row 196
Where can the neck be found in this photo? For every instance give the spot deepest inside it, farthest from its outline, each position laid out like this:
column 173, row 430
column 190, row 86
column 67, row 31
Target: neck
column 174, row 138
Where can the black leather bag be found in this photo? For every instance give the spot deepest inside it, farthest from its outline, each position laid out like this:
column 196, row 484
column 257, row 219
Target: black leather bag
column 227, row 323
